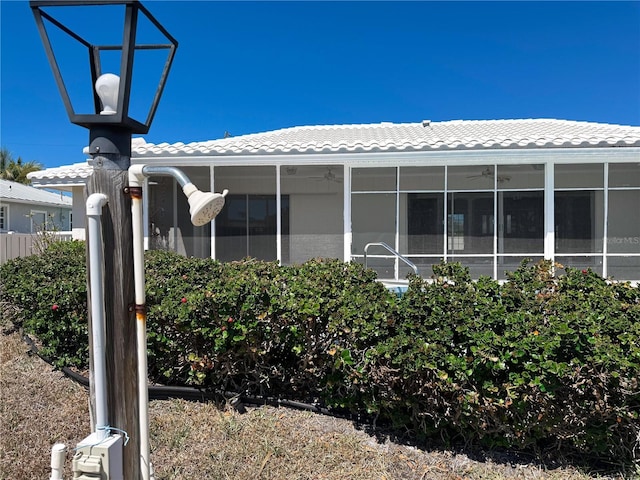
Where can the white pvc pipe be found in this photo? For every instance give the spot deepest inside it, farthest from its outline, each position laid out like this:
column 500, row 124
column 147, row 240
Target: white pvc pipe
column 136, row 178
column 94, row 205
column 58, row 455
column 137, row 174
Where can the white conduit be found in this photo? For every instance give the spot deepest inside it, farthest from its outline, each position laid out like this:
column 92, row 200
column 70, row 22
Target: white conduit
column 135, row 182
column 94, row 205
column 58, row 455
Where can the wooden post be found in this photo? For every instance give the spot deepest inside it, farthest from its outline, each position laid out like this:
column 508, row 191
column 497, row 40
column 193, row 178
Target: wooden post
column 110, row 177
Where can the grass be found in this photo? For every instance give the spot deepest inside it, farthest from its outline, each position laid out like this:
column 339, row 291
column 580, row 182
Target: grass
column 40, row 407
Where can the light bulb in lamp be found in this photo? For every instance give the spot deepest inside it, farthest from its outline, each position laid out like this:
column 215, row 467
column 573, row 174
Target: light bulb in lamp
column 107, row 88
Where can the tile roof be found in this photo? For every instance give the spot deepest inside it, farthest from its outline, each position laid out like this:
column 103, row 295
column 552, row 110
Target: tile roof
column 19, row 193
column 397, row 137
column 379, row 137
column 75, row 174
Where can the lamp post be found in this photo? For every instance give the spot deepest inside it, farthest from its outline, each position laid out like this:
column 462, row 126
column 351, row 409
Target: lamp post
column 110, row 79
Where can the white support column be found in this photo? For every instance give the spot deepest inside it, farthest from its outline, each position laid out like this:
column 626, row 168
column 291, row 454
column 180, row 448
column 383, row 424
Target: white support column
column 396, row 263
column 446, row 214
column 498, row 227
column 145, row 213
column 605, row 232
column 549, row 212
column 212, row 180
column 346, row 211
column 278, row 216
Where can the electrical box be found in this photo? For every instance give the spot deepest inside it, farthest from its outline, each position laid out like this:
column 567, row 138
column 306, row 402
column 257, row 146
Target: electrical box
column 98, row 459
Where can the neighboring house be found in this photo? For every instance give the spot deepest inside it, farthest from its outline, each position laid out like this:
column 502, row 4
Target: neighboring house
column 25, row 209
column 69, row 178
column 484, row 193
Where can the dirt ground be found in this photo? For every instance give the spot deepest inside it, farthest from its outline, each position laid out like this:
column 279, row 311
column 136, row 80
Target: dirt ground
column 39, row 406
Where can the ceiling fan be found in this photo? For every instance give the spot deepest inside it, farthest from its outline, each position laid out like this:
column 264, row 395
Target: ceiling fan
column 488, row 173
column 329, row 176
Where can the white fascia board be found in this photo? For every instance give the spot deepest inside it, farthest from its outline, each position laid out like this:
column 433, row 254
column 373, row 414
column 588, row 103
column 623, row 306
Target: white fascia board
column 58, row 183
column 22, row 201
column 414, row 158
column 597, row 155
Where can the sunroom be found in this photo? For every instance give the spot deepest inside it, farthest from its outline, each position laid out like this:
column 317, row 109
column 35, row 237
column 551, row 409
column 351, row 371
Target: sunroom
column 401, row 197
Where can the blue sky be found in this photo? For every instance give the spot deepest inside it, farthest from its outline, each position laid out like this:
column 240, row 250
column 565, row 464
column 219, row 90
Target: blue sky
column 248, row 67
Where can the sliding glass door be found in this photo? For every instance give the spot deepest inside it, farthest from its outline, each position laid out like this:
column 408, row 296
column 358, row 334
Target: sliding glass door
column 246, row 227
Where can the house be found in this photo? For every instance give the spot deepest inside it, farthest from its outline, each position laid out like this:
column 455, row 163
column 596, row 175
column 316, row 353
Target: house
column 25, row 209
column 484, row 193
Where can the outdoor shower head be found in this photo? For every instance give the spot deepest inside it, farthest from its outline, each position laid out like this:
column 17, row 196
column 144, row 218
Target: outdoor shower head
column 203, row 206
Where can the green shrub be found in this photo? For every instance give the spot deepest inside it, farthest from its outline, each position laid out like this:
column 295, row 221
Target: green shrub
column 50, row 290
column 263, row 329
column 541, row 361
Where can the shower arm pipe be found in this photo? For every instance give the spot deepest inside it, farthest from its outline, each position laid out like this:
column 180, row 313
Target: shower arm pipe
column 142, row 171
column 137, row 174
column 174, row 172
column 203, row 206
column 94, row 205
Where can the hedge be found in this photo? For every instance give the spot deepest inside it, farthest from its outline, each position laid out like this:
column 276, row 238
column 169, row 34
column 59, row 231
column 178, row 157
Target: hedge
column 541, row 362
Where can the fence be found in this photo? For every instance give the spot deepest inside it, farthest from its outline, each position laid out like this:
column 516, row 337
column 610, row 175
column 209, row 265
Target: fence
column 14, row 245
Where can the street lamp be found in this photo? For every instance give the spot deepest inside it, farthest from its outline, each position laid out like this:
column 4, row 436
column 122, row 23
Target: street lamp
column 113, row 34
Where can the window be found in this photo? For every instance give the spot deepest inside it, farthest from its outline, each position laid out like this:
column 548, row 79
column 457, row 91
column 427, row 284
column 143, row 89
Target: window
column 246, row 227
column 4, row 218
column 623, row 221
column 372, row 219
column 455, row 233
column 521, row 225
column 579, row 199
column 373, row 179
column 425, row 220
column 623, row 234
column 578, row 228
column 38, row 221
column 470, row 223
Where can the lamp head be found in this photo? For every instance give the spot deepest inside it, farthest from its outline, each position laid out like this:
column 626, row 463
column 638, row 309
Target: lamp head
column 129, row 32
column 203, row 206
